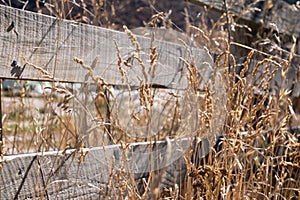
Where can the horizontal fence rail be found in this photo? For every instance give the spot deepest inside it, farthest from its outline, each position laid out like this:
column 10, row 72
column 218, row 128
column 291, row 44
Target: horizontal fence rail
column 52, row 44
column 89, row 172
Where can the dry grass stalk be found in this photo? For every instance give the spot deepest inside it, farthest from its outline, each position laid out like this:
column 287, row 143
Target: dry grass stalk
column 45, row 73
column 133, row 39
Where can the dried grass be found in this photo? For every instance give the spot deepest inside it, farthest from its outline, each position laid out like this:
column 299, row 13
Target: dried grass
column 259, row 158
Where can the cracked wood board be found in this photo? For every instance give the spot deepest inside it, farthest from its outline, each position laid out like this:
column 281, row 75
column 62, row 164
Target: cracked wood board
column 52, row 44
column 91, row 172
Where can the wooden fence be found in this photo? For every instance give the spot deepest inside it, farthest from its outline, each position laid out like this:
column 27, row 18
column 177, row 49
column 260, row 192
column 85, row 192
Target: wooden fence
column 43, row 48
column 90, row 173
column 52, row 44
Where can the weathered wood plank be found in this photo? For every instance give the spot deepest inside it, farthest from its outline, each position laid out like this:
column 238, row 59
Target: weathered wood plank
column 96, row 172
column 51, row 44
column 285, row 16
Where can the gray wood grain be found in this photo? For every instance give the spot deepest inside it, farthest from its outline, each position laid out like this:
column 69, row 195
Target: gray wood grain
column 96, row 175
column 51, row 44
column 285, row 16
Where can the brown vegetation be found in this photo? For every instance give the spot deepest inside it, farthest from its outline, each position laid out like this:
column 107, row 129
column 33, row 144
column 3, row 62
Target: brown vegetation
column 260, row 156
